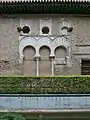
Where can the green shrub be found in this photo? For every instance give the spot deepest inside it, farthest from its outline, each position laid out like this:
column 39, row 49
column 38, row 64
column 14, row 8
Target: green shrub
column 42, row 85
column 11, row 116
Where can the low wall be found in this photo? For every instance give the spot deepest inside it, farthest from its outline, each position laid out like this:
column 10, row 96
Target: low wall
column 44, row 102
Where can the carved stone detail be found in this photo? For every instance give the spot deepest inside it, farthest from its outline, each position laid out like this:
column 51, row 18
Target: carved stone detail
column 38, row 42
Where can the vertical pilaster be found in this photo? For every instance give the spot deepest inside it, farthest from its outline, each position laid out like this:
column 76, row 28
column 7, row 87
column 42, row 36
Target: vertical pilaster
column 21, row 65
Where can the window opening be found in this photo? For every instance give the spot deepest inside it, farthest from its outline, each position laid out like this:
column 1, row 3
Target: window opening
column 45, row 30
column 85, row 67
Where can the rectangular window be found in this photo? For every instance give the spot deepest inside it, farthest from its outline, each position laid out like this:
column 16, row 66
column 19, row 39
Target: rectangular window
column 85, row 67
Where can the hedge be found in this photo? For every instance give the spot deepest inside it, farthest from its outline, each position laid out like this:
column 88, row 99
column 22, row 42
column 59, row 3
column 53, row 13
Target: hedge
column 17, row 116
column 43, row 85
column 11, row 116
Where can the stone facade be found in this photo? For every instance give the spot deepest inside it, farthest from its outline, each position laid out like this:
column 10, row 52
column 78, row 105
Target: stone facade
column 59, row 52
column 9, row 45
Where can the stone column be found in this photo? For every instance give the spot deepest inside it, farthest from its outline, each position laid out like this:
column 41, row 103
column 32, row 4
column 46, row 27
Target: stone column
column 37, row 58
column 52, row 61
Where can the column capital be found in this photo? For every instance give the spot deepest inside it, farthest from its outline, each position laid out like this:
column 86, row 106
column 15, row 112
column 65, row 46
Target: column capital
column 37, row 57
column 52, row 57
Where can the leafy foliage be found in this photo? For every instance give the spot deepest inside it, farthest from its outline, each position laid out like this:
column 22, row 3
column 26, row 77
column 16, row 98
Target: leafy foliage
column 11, row 116
column 42, row 85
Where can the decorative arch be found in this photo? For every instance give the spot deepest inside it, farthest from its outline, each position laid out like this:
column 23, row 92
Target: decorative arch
column 31, row 49
column 60, row 41
column 62, row 46
column 28, row 41
column 29, row 61
column 45, row 48
column 44, row 41
column 45, row 45
column 60, row 52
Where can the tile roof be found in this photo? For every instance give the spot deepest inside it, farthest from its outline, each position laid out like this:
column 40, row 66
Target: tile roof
column 44, row 1
column 45, row 6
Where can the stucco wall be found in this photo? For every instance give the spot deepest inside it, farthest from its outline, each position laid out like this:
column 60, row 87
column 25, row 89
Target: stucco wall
column 9, row 39
column 9, row 43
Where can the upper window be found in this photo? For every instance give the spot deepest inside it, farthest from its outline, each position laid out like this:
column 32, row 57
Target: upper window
column 45, row 26
column 26, row 29
column 45, row 30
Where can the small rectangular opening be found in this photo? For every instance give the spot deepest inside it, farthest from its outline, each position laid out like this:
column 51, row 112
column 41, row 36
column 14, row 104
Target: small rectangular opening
column 85, row 67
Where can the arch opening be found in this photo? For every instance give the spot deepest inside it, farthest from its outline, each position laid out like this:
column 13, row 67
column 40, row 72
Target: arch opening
column 29, row 63
column 44, row 51
column 60, row 52
column 60, row 67
column 29, row 52
column 45, row 62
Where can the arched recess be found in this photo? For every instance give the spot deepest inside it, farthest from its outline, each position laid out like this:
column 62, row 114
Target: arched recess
column 60, row 52
column 60, row 67
column 26, row 41
column 45, row 63
column 29, row 65
column 44, row 41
